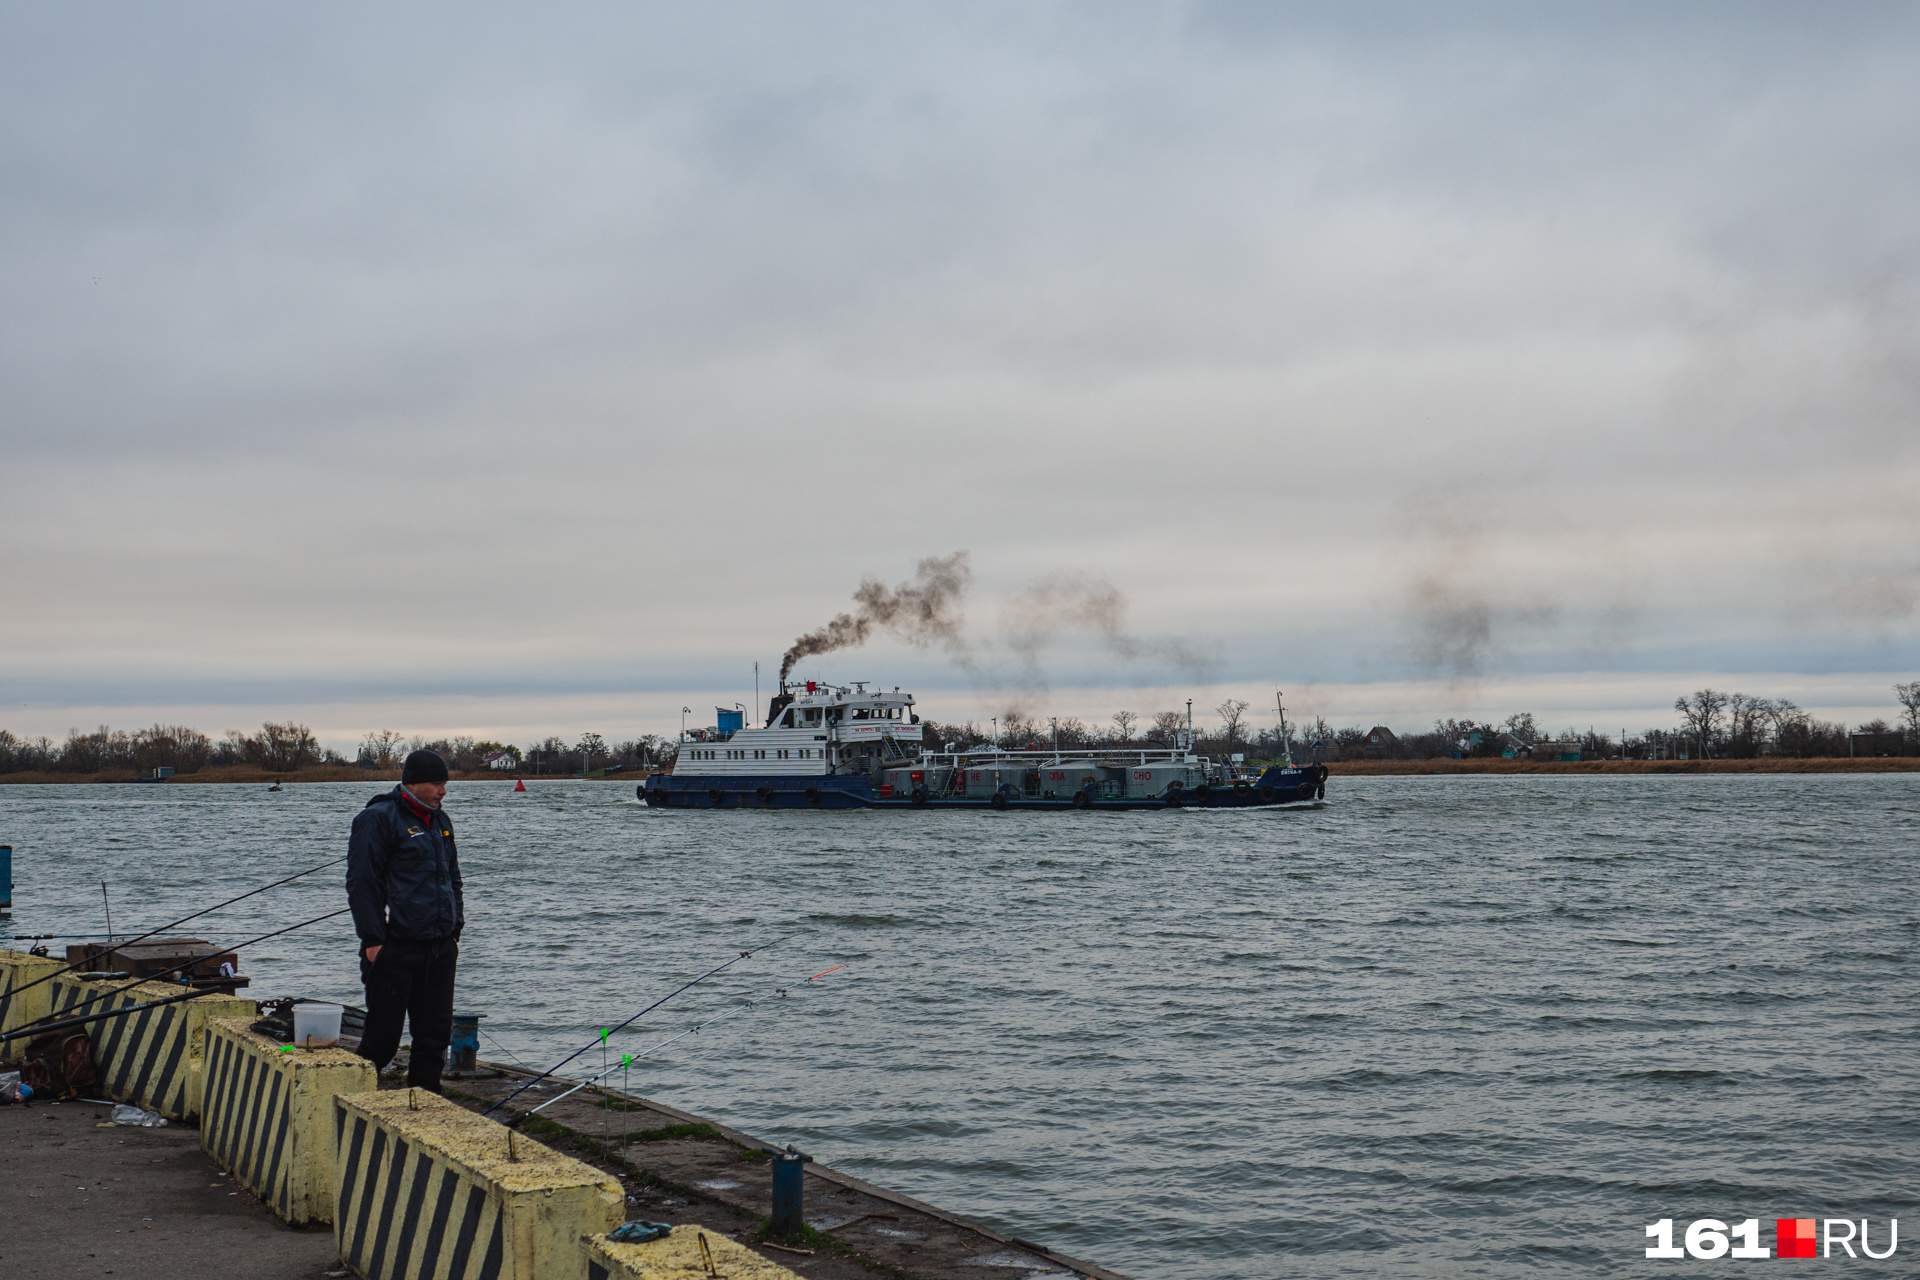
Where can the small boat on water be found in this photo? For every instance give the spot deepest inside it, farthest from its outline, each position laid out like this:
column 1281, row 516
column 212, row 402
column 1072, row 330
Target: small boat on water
column 844, row 747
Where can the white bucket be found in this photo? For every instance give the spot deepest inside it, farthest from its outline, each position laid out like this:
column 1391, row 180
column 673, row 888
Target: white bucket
column 316, row 1026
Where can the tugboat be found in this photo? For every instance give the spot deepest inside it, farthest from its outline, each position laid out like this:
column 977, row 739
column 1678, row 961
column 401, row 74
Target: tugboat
column 844, row 747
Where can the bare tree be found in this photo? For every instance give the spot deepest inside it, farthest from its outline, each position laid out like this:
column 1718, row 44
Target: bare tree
column 1783, row 719
column 382, row 749
column 590, row 745
column 1747, row 718
column 1233, row 717
column 1123, row 722
column 1522, row 726
column 1909, row 695
column 1702, row 713
column 285, row 747
column 1167, row 727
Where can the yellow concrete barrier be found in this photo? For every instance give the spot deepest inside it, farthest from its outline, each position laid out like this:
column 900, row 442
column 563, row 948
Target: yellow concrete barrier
column 677, row 1257
column 154, row 1058
column 427, row 1189
column 269, row 1112
column 17, row 1007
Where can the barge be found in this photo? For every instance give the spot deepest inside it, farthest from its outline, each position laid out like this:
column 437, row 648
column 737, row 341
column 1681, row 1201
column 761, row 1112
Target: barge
column 845, row 747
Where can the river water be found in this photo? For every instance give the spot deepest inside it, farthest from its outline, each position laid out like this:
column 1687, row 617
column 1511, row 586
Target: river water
column 1441, row 1026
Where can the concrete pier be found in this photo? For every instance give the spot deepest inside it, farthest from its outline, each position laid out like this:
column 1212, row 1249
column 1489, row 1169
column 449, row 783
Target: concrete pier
column 91, row 1199
column 85, row 1201
column 680, row 1167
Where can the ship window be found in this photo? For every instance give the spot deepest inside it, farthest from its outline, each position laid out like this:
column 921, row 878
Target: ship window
column 786, row 721
column 810, row 716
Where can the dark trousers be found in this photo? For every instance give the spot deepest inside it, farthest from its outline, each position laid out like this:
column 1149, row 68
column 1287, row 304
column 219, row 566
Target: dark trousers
column 411, row 982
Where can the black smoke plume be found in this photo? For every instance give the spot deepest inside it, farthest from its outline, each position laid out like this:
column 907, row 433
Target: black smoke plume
column 1070, row 601
column 924, row 612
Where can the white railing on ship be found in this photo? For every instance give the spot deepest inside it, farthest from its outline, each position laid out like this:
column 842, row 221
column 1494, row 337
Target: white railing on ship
column 1074, row 755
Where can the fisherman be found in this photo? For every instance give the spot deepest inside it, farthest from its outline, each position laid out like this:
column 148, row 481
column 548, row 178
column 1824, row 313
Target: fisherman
column 403, row 883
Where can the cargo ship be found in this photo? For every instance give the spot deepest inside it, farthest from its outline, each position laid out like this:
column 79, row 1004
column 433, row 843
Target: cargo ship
column 846, row 747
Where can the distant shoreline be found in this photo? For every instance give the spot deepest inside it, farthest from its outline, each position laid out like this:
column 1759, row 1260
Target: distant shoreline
column 1339, row 768
column 1764, row 764
column 248, row 775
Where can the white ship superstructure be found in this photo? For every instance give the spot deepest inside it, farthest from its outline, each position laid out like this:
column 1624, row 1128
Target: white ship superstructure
column 820, row 731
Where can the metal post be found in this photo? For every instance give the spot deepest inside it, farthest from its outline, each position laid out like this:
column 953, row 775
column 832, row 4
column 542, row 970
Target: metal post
column 789, row 1208
column 464, row 1050
column 626, row 1099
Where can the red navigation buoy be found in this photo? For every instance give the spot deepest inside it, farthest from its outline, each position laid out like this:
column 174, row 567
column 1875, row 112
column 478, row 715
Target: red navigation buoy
column 519, row 784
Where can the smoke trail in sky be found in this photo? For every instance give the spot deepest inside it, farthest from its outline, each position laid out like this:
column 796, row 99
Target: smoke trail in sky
column 925, row 613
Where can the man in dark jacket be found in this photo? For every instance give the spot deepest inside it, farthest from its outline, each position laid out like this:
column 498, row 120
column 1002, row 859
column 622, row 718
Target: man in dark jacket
column 403, row 883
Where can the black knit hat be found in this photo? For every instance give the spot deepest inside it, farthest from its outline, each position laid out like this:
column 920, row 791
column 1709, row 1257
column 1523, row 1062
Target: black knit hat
column 424, row 766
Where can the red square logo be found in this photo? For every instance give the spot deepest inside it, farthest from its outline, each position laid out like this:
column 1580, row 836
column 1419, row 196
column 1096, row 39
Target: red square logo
column 1793, row 1238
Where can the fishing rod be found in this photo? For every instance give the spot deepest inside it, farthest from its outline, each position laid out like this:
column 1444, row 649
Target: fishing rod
column 176, row 924
column 155, row 977
column 633, row 1058
column 744, row 955
column 35, row 1029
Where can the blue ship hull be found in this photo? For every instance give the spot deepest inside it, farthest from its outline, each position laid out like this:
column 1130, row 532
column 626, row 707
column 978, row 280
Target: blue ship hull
column 1272, row 789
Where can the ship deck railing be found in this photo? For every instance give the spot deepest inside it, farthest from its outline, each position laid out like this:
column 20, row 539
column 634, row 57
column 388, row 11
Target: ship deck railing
column 1107, row 757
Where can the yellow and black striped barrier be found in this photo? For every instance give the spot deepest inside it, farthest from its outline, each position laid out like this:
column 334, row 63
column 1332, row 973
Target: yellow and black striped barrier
column 18, row 1007
column 426, row 1189
column 269, row 1108
column 153, row 1058
column 678, row 1256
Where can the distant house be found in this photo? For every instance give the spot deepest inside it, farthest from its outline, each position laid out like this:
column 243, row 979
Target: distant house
column 1868, row 742
column 1512, row 748
column 1557, row 749
column 505, row 760
column 1380, row 742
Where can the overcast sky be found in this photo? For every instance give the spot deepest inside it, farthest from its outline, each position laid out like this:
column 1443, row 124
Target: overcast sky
column 539, row 371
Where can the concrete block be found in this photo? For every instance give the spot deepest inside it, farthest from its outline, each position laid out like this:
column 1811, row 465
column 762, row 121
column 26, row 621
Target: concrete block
column 678, row 1258
column 269, row 1115
column 155, row 1058
column 424, row 1188
column 17, row 1007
